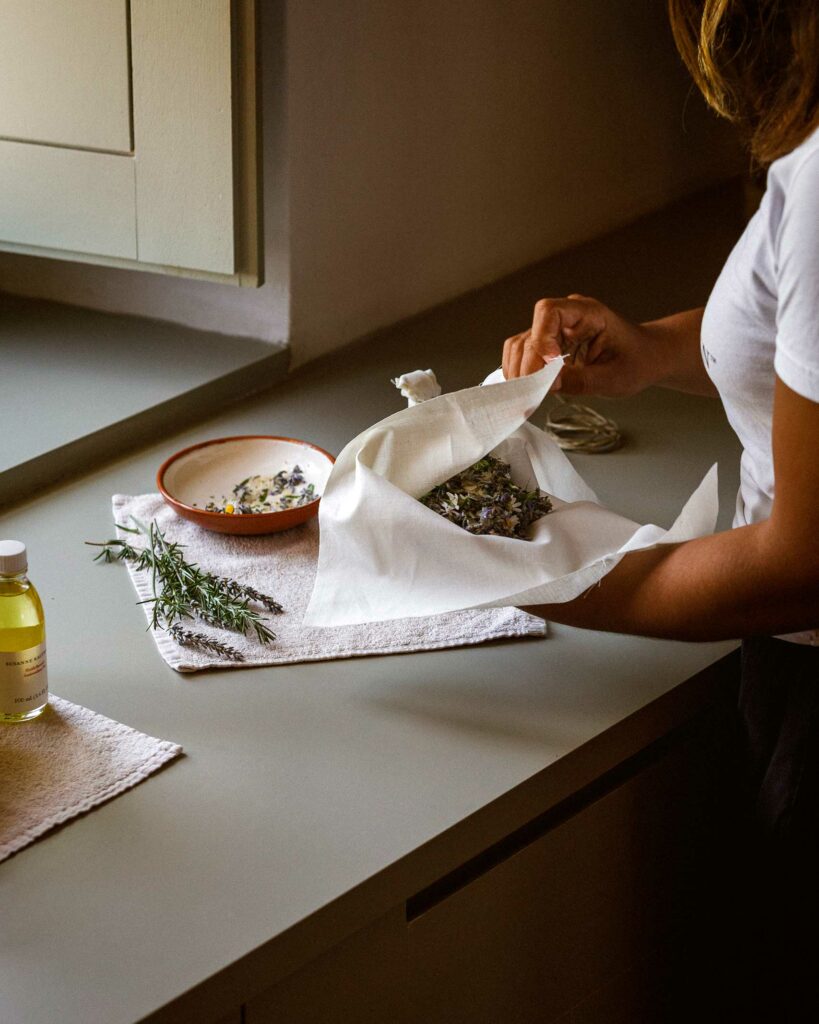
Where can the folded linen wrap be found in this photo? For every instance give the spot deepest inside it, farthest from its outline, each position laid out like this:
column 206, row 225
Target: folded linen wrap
column 384, row 555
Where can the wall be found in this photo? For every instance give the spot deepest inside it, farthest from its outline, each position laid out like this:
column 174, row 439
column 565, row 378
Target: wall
column 436, row 146
column 416, row 150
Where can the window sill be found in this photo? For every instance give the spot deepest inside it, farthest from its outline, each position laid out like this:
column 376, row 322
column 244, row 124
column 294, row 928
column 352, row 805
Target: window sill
column 79, row 387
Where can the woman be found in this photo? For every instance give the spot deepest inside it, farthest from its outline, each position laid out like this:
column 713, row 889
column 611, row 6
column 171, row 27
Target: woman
column 756, row 346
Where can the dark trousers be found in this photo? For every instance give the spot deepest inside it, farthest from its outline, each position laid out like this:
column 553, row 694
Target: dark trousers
column 779, row 830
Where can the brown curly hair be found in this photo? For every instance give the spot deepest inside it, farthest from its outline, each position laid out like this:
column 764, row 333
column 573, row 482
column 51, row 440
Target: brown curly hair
column 757, row 63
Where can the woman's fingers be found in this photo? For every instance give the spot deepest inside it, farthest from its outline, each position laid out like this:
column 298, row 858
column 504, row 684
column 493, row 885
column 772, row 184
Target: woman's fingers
column 547, row 329
column 513, row 354
column 527, row 352
column 520, row 357
column 532, row 358
column 562, row 324
column 596, row 348
column 574, row 325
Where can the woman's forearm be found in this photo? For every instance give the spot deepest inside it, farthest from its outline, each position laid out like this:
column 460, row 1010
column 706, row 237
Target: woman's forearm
column 677, row 339
column 739, row 583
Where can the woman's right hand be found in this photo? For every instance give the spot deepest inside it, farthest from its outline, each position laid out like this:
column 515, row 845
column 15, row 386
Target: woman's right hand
column 606, row 354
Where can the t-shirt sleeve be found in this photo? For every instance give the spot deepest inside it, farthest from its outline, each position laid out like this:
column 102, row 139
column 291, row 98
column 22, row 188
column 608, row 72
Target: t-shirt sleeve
column 797, row 271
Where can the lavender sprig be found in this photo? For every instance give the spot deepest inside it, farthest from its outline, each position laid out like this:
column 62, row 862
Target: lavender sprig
column 187, row 638
column 240, row 590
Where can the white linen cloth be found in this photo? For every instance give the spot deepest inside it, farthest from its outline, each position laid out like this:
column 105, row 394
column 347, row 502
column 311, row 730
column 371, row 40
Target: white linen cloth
column 283, row 565
column 418, row 386
column 384, row 555
column 65, row 762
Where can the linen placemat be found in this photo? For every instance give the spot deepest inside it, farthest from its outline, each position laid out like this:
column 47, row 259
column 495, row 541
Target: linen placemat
column 283, row 565
column 65, row 762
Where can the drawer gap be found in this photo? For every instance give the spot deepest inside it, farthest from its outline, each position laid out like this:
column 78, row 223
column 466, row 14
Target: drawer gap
column 466, row 873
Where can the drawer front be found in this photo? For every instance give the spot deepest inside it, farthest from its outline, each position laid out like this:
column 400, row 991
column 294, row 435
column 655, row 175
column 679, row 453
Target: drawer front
column 590, row 922
column 586, row 920
column 363, row 980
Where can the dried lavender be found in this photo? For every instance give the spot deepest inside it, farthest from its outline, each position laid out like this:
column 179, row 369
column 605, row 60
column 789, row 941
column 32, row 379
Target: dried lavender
column 182, row 590
column 235, row 589
column 187, row 638
column 287, row 489
column 484, row 500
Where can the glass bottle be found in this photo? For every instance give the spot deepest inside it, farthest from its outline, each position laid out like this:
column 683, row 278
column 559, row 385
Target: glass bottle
column 23, row 674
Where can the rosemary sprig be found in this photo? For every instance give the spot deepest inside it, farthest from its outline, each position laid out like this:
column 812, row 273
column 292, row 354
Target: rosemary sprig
column 181, row 590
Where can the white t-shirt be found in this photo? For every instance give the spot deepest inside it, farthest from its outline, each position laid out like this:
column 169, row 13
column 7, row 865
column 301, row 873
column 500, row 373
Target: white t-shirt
column 762, row 320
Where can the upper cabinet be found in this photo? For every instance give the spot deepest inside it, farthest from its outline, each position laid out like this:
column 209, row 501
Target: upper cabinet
column 128, row 134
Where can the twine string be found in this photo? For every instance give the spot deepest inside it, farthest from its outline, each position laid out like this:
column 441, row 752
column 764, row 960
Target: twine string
column 577, row 428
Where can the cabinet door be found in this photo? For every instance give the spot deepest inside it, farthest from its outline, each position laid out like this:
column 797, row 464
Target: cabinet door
column 363, row 980
column 127, row 133
column 591, row 922
column 65, row 73
column 609, row 915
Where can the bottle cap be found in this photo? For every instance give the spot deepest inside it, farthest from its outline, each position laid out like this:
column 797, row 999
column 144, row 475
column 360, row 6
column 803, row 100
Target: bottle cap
column 13, row 558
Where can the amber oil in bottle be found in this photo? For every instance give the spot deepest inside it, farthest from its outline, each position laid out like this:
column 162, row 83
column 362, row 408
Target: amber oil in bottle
column 23, row 674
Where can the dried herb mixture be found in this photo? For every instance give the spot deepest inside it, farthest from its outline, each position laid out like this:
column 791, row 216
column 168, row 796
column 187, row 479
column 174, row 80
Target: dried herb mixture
column 484, row 500
column 287, row 489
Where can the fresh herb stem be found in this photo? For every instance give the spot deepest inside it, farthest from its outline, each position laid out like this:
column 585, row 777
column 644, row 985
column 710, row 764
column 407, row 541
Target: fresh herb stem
column 180, row 589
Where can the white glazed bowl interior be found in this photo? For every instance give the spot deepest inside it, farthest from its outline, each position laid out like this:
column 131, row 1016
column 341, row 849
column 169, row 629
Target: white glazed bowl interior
column 211, row 472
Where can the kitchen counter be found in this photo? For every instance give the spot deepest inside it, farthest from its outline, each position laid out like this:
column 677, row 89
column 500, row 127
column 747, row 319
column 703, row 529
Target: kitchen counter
column 316, row 800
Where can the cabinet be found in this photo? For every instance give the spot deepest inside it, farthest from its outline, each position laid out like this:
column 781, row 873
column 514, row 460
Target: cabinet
column 363, row 980
column 588, row 922
column 608, row 913
column 128, row 134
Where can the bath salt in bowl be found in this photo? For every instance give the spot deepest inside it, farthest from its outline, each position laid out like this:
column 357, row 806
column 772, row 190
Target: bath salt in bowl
column 253, row 484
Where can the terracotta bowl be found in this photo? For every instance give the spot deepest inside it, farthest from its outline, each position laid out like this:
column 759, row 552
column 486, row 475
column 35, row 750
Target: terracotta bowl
column 189, row 479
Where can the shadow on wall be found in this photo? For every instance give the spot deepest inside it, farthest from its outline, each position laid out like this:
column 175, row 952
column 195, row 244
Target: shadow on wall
column 441, row 146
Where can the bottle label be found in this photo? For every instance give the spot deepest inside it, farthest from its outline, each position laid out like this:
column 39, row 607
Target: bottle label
column 23, row 680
